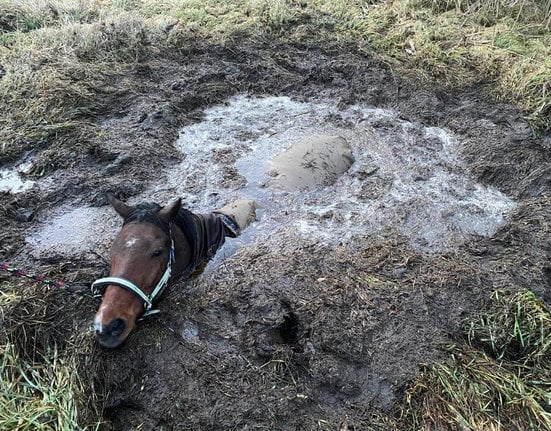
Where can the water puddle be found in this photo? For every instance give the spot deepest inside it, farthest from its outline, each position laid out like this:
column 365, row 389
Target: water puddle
column 405, row 178
column 75, row 231
column 190, row 330
column 11, row 179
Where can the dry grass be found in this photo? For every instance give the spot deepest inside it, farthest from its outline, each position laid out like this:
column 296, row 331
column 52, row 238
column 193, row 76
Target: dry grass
column 64, row 61
column 63, row 65
column 505, row 44
column 499, row 380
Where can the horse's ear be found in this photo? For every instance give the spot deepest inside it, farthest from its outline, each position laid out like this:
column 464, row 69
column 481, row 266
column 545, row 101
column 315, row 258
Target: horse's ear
column 120, row 207
column 168, row 212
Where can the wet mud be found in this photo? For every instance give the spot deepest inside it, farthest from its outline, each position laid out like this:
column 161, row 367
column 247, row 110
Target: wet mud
column 322, row 310
column 314, row 162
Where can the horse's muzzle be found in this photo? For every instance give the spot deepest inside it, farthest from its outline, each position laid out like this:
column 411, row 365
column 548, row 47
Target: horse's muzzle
column 110, row 335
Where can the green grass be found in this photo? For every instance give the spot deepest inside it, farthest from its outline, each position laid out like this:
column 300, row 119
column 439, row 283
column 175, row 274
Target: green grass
column 503, row 44
column 499, row 380
column 516, row 329
column 36, row 396
column 45, row 374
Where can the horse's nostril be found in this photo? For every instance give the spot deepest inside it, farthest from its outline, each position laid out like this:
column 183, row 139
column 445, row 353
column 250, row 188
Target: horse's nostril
column 116, row 327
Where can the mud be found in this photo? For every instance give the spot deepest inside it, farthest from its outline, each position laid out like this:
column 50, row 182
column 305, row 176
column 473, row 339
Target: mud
column 314, row 162
column 242, row 211
column 322, row 311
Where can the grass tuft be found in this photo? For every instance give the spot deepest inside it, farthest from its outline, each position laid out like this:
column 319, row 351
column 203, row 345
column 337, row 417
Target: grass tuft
column 517, row 329
column 505, row 386
column 36, row 396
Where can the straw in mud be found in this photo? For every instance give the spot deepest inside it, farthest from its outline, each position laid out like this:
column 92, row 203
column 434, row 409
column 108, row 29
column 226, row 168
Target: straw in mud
column 498, row 380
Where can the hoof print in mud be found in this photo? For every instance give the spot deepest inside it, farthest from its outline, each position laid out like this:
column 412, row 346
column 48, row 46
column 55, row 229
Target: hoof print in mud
column 289, row 329
column 282, row 335
column 155, row 120
column 23, row 215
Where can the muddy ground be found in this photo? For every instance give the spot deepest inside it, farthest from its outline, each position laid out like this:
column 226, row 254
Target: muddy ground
column 289, row 335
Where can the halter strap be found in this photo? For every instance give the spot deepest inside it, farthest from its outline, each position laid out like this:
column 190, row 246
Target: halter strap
column 98, row 286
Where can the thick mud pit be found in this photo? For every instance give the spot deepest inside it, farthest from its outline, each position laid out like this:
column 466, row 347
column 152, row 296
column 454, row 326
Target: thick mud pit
column 371, row 172
column 320, row 313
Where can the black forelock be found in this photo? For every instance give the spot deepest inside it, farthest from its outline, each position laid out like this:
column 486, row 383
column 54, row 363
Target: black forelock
column 147, row 212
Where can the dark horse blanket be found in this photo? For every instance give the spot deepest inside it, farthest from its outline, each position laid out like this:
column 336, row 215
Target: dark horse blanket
column 206, row 233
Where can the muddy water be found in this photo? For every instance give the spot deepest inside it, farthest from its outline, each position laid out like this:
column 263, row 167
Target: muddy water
column 75, row 231
column 11, row 179
column 405, row 177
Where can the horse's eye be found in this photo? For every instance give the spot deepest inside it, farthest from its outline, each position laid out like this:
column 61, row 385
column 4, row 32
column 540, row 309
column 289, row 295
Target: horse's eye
column 157, row 253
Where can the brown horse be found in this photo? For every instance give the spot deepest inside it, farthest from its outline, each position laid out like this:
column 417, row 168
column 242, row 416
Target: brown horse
column 155, row 244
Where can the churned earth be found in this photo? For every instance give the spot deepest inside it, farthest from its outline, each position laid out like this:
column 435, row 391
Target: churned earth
column 321, row 313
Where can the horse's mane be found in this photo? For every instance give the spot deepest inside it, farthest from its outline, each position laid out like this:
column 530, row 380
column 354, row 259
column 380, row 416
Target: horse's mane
column 146, row 212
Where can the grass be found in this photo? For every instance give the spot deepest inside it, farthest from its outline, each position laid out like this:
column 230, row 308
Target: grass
column 517, row 329
column 505, row 44
column 47, row 364
column 64, row 61
column 500, row 379
column 58, row 78
column 36, row 396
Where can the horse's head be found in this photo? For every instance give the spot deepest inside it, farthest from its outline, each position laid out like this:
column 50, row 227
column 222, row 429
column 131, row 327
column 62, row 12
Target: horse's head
column 141, row 259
